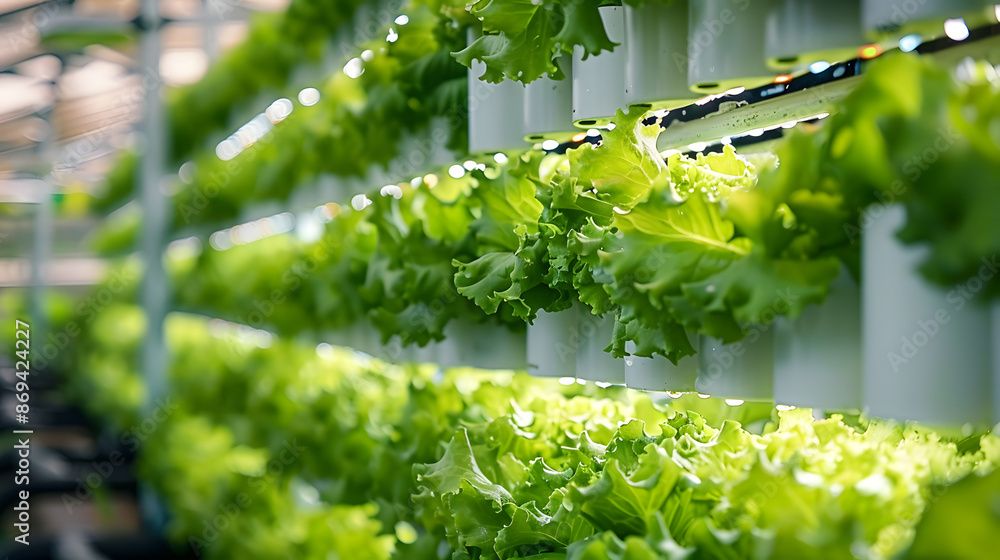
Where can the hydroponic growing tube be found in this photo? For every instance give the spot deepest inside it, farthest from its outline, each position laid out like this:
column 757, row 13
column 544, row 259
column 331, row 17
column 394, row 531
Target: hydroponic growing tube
column 742, row 370
column 493, row 110
column 658, row 373
column 926, row 351
column 598, row 81
column 553, row 344
column 726, row 45
column 482, row 345
column 817, row 359
column 595, row 334
column 802, row 32
column 548, row 104
column 656, row 70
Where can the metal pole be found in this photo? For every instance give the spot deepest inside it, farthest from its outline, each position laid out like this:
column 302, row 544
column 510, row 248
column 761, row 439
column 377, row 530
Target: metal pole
column 154, row 290
column 41, row 252
column 210, row 19
column 154, row 205
column 41, row 247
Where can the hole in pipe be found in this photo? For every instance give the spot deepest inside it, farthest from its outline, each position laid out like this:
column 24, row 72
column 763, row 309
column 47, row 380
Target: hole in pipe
column 787, row 59
column 709, row 85
column 589, row 122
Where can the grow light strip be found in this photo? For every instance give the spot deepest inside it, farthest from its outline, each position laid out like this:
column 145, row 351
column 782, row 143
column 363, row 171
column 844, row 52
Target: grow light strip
column 711, row 119
column 769, row 114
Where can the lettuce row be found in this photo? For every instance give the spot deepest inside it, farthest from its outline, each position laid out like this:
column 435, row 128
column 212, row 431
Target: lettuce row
column 638, row 239
column 320, row 451
column 615, row 227
column 709, row 245
column 685, row 489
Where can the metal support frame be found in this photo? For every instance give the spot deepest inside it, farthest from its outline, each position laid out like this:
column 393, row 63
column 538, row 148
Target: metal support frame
column 154, row 291
column 41, row 252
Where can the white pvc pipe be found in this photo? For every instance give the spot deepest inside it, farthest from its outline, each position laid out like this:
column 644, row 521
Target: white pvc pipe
column 493, row 126
column 656, row 68
column 995, row 312
column 659, row 374
column 361, row 336
column 548, row 106
column 595, row 334
column 817, row 360
column 415, row 354
column 891, row 19
column 482, row 345
column 742, row 370
column 553, row 344
column 801, row 32
column 726, row 45
column 925, row 350
column 599, row 81
column 41, row 255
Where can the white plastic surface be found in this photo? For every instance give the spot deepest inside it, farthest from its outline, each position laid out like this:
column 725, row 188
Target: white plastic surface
column 742, row 370
column 426, row 354
column 361, row 336
column 599, row 81
column 656, row 68
column 495, row 112
column 800, row 32
column 482, row 345
column 817, row 361
column 659, row 374
column 726, row 45
column 926, row 350
column 595, row 334
column 548, row 106
column 553, row 342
